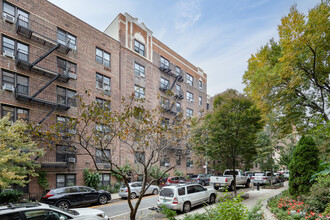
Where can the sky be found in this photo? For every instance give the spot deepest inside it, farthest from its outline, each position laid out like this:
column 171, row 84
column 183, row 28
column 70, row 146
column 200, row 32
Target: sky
column 218, row 36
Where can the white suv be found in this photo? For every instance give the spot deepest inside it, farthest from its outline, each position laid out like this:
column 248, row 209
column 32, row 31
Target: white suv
column 184, row 196
column 22, row 211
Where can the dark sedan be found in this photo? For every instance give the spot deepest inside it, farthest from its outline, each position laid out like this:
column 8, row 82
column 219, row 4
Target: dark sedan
column 67, row 197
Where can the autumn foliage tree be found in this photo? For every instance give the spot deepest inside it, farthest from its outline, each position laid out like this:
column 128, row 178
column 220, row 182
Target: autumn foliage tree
column 17, row 153
column 115, row 137
column 291, row 75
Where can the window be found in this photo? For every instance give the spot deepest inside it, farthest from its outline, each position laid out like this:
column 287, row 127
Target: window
column 165, row 161
column 190, row 79
column 190, row 97
column 139, row 157
column 66, row 67
column 102, row 82
column 104, row 179
column 181, row 191
column 102, row 129
column 139, row 70
column 164, row 63
column 178, row 89
column 139, row 92
column 189, row 162
column 65, row 152
column 66, row 96
column 178, row 159
column 65, row 125
column 11, row 80
column 177, row 107
column 139, row 47
column 200, row 114
column 200, row 84
column 164, row 103
column 66, row 39
column 200, row 100
column 15, row 112
column 105, row 104
column 103, row 57
column 103, row 156
column 177, row 71
column 207, row 106
column 63, row 180
column 10, row 46
column 164, row 83
column 165, row 122
column 190, row 112
column 14, row 12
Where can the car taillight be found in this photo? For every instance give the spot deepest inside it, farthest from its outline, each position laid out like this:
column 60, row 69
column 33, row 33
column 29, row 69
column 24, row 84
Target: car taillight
column 197, row 178
column 226, row 180
column 48, row 195
column 175, row 200
column 210, row 180
column 264, row 178
column 252, row 177
column 126, row 190
column 169, row 180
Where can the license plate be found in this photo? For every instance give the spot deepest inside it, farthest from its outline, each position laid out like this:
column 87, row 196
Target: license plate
column 164, row 200
column 217, row 184
column 122, row 191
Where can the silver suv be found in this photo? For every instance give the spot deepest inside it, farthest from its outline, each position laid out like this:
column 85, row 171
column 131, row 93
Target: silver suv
column 184, row 196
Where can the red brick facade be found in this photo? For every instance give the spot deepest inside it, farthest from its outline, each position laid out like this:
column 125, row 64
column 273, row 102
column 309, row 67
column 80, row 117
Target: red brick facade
column 46, row 19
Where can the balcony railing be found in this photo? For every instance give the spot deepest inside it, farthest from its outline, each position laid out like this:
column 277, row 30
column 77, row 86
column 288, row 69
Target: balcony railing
column 164, row 87
column 47, row 97
column 179, row 95
column 41, row 31
column 47, row 66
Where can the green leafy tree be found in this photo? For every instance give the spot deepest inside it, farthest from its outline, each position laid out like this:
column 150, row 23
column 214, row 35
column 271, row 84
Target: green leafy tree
column 229, row 132
column 137, row 129
column 304, row 164
column 291, row 76
column 17, row 153
column 92, row 178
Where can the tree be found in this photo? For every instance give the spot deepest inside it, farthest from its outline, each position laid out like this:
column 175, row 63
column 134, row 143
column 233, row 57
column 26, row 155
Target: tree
column 229, row 132
column 304, row 164
column 291, row 76
column 134, row 130
column 17, row 153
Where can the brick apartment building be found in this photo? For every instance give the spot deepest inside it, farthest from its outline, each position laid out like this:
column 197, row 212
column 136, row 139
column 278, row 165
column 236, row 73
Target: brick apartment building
column 48, row 56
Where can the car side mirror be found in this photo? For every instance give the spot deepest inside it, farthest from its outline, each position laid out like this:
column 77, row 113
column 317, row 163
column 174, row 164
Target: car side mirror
column 62, row 217
column 205, row 189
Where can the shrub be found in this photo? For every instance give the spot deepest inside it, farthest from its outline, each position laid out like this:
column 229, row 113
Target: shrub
column 170, row 214
column 303, row 165
column 92, row 179
column 178, row 173
column 255, row 213
column 319, row 196
column 42, row 181
column 10, row 196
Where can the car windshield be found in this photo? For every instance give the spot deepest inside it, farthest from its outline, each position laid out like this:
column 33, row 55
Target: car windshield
column 72, row 212
column 194, row 176
column 258, row 174
column 167, row 192
column 230, row 173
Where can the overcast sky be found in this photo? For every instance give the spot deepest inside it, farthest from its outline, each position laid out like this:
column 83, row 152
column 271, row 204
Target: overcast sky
column 217, row 35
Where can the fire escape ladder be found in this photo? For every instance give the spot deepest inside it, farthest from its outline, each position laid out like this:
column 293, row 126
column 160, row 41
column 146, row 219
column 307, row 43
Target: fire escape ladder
column 49, row 113
column 45, row 55
column 45, row 86
column 176, row 79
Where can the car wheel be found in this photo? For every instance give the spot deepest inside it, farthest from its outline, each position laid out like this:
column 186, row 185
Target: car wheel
column 103, row 199
column 231, row 187
column 186, row 207
column 212, row 199
column 155, row 191
column 216, row 187
column 247, row 185
column 133, row 195
column 63, row 205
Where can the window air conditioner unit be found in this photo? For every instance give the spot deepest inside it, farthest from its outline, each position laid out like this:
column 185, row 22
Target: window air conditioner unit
column 9, row 19
column 72, row 75
column 8, row 54
column 191, row 165
column 72, row 160
column 8, row 87
column 167, row 164
column 71, row 131
column 107, row 88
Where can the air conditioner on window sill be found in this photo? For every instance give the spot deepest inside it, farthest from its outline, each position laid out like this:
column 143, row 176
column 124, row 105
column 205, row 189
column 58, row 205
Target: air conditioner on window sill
column 72, row 160
column 72, row 131
column 9, row 19
column 7, row 53
column 8, row 87
column 72, row 76
column 167, row 164
column 191, row 165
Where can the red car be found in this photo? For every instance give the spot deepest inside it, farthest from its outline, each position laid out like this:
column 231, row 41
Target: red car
column 167, row 181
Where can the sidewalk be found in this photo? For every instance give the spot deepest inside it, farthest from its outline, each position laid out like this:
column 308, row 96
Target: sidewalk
column 254, row 196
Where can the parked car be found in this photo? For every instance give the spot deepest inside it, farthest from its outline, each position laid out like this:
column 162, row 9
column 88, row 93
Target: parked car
column 263, row 178
column 286, row 174
column 22, row 211
column 136, row 188
column 182, row 197
column 67, row 197
column 227, row 180
column 279, row 177
column 167, row 181
column 202, row 179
